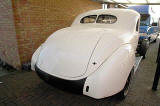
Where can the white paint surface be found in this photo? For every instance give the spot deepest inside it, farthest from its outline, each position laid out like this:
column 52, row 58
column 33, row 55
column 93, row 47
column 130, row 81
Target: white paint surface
column 69, row 53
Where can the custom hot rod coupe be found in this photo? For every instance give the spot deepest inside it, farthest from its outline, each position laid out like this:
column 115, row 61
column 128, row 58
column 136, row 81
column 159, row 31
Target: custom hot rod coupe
column 95, row 56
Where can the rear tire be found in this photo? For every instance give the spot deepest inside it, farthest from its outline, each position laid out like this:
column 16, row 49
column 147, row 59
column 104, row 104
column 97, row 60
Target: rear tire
column 155, row 40
column 122, row 95
column 143, row 48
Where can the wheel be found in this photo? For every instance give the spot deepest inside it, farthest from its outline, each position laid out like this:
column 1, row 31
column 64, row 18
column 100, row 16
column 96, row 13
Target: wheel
column 122, row 95
column 143, row 48
column 149, row 39
column 155, row 40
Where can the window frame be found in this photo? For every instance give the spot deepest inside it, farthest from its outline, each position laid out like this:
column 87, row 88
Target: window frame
column 88, row 16
column 107, row 15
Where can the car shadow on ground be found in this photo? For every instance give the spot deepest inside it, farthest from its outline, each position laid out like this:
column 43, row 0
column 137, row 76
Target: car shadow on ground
column 60, row 97
column 26, row 88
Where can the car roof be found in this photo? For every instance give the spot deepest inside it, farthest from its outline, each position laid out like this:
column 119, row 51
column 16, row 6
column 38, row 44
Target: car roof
column 111, row 11
column 126, row 18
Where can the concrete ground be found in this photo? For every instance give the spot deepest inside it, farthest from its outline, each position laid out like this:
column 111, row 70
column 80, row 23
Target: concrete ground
column 4, row 72
column 25, row 88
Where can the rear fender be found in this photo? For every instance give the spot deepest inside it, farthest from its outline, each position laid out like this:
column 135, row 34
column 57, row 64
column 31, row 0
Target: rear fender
column 111, row 76
column 34, row 58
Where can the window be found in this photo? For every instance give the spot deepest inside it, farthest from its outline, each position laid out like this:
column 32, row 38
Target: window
column 137, row 26
column 106, row 19
column 154, row 24
column 144, row 21
column 144, row 17
column 89, row 19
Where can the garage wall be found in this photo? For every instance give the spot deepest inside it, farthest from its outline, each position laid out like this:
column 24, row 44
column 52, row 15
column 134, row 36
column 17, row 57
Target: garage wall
column 8, row 43
column 36, row 19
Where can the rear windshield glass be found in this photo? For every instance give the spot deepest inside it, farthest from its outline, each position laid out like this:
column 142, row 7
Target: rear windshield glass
column 106, row 19
column 89, row 19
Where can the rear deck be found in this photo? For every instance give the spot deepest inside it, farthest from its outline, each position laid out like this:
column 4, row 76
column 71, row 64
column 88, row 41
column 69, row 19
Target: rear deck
column 25, row 88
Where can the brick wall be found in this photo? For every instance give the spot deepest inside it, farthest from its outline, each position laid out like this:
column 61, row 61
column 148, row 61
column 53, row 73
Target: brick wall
column 35, row 20
column 8, row 42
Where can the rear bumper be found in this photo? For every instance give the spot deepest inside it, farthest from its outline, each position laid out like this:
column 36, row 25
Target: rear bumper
column 75, row 86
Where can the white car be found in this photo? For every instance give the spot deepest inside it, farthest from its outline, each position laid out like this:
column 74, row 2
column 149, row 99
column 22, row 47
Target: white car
column 95, row 56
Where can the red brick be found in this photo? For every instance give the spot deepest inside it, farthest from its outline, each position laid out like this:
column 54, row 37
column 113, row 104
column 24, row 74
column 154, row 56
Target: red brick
column 34, row 21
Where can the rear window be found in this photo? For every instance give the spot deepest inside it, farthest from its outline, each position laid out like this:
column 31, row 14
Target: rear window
column 89, row 19
column 106, row 19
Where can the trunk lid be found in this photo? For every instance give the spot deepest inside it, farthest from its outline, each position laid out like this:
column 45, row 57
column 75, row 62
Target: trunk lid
column 68, row 51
